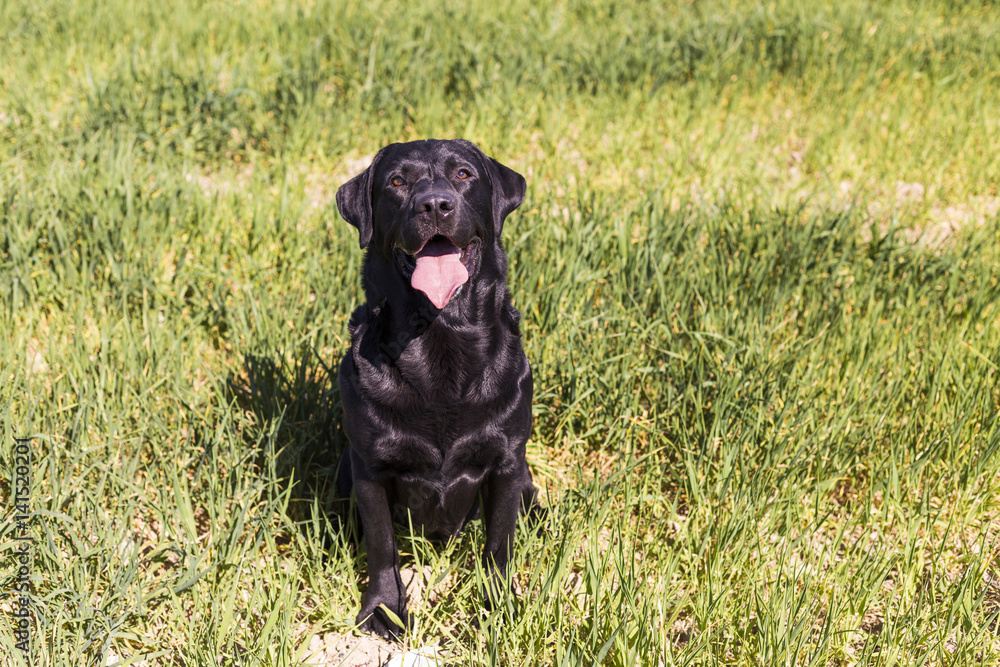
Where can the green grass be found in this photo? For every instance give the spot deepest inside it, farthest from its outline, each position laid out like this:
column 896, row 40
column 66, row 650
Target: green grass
column 759, row 271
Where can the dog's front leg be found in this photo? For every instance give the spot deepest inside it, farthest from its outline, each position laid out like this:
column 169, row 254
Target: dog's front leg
column 384, row 585
column 502, row 497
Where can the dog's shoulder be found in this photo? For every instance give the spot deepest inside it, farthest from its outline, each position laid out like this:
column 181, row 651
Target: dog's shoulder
column 513, row 315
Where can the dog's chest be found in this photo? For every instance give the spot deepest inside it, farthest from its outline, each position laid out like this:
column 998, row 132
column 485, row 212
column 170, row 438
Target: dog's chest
column 437, row 478
column 430, row 450
column 445, row 370
column 438, row 506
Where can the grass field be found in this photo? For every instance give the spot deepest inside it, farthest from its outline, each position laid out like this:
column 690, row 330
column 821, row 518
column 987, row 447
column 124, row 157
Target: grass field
column 759, row 269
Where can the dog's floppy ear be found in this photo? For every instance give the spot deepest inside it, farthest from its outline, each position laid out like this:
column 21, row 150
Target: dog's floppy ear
column 508, row 187
column 354, row 201
column 508, row 192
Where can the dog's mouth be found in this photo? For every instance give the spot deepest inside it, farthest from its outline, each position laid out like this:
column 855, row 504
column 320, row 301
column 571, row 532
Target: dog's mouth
column 439, row 268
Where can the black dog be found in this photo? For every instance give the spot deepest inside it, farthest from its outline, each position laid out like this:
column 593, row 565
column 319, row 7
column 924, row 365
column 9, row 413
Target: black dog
column 436, row 387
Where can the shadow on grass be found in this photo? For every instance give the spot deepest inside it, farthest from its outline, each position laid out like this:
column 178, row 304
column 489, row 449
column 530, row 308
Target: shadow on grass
column 296, row 415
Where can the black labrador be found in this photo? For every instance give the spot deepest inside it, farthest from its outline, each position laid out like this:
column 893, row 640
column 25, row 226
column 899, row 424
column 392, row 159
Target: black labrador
column 436, row 387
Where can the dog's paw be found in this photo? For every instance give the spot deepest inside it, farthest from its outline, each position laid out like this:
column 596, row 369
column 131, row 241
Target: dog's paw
column 383, row 621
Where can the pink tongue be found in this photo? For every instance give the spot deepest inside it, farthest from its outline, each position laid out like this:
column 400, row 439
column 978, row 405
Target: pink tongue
column 439, row 272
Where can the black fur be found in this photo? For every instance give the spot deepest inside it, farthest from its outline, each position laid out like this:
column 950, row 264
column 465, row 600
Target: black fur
column 437, row 402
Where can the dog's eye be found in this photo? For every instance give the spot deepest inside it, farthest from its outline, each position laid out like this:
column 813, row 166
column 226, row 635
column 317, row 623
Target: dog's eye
column 398, row 182
column 463, row 173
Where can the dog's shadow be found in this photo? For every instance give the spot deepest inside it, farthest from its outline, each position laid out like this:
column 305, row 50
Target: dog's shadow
column 294, row 414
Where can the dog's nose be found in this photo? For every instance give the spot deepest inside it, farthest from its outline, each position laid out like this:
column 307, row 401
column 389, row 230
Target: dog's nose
column 436, row 204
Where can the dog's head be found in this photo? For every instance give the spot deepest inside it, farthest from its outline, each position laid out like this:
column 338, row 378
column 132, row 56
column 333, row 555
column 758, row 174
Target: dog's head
column 430, row 208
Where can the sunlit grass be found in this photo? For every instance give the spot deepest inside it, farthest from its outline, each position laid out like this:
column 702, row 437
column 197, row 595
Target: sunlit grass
column 758, row 270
